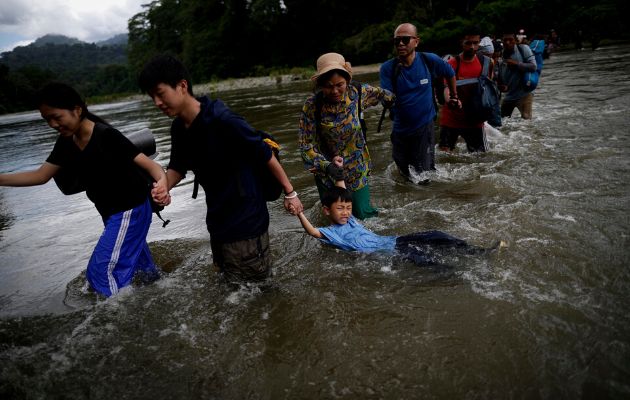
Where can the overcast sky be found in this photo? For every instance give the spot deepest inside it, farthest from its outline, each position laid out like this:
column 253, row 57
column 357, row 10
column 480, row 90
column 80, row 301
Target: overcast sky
column 23, row 21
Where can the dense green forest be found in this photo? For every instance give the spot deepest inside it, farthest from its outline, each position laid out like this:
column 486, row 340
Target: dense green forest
column 95, row 69
column 234, row 38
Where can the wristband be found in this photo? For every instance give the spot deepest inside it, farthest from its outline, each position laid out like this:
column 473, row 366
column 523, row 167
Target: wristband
column 291, row 195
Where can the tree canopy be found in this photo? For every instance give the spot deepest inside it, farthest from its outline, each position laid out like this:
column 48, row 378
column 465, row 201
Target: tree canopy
column 235, row 38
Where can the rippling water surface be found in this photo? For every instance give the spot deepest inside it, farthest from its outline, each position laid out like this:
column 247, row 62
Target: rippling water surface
column 545, row 318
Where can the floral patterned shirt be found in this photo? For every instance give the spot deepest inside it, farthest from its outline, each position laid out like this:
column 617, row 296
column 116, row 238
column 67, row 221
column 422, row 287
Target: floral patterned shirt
column 340, row 134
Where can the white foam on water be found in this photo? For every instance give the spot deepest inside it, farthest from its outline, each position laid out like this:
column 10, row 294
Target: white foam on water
column 564, row 217
column 533, row 239
column 244, row 293
column 563, row 194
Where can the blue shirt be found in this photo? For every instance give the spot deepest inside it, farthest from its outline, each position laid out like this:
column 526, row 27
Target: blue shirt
column 355, row 237
column 513, row 77
column 414, row 93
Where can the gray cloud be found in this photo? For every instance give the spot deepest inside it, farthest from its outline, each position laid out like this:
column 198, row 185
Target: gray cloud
column 14, row 12
column 85, row 20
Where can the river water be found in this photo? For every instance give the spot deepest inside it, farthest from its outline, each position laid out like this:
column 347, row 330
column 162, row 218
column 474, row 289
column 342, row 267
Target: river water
column 546, row 317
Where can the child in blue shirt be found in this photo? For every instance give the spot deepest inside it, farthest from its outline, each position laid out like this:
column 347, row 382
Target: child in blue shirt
column 348, row 234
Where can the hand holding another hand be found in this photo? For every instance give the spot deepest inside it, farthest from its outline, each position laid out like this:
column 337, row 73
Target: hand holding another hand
column 160, row 193
column 335, row 169
column 454, row 103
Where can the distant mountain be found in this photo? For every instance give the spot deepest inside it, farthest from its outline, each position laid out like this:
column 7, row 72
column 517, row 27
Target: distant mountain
column 117, row 40
column 55, row 39
column 68, row 59
column 120, row 39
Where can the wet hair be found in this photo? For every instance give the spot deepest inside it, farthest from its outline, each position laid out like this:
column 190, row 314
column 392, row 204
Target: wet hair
column 473, row 30
column 336, row 194
column 166, row 69
column 323, row 78
column 65, row 97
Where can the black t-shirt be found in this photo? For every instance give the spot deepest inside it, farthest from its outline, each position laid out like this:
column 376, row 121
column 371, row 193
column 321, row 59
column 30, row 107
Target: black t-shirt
column 105, row 168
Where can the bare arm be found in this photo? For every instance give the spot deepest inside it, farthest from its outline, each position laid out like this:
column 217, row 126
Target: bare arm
column 291, row 202
column 30, row 178
column 453, row 101
column 161, row 194
column 338, row 161
column 154, row 169
column 308, row 227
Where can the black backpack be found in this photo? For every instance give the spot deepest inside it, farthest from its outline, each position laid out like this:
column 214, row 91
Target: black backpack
column 271, row 187
column 483, row 105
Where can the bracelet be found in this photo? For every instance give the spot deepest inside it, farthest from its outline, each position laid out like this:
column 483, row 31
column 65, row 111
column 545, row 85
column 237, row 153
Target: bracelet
column 291, row 195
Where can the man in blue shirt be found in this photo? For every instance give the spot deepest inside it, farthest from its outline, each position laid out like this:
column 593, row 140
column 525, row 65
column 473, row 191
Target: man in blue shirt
column 410, row 77
column 517, row 59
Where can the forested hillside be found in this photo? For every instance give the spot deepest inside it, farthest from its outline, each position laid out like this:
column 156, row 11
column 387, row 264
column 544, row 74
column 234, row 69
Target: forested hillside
column 95, row 69
column 234, row 38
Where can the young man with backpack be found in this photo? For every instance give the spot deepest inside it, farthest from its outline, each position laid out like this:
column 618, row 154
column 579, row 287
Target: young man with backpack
column 518, row 59
column 410, row 76
column 468, row 121
column 226, row 155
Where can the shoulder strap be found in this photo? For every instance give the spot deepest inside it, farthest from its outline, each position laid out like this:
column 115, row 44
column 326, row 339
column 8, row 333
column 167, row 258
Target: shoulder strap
column 520, row 51
column 485, row 64
column 195, row 188
column 357, row 86
column 395, row 73
column 319, row 103
column 427, row 62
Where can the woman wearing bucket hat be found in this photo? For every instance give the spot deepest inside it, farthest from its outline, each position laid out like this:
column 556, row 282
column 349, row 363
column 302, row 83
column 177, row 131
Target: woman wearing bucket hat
column 331, row 128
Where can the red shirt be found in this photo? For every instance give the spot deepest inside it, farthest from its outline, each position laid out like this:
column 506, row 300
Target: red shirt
column 457, row 118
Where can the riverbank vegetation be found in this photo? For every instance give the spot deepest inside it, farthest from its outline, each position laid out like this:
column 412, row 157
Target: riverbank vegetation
column 220, row 39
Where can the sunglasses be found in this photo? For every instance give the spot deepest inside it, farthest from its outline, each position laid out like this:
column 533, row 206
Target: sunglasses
column 471, row 42
column 403, row 39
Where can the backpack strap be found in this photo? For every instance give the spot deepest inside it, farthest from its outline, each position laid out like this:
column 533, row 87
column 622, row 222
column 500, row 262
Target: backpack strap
column 195, row 188
column 426, row 60
column 485, row 71
column 319, row 103
column 395, row 73
column 520, row 51
column 358, row 87
column 485, row 65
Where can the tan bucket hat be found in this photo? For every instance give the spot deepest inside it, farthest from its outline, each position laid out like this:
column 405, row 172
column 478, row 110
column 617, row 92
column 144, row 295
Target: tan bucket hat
column 329, row 61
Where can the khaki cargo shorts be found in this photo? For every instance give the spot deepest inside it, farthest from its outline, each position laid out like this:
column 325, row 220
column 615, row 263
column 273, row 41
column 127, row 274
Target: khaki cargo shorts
column 245, row 260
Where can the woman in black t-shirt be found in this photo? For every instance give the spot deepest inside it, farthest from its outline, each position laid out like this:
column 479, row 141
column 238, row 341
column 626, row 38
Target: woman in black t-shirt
column 106, row 165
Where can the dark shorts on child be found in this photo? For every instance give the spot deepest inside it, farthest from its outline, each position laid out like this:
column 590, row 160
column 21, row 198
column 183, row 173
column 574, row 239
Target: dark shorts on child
column 423, row 248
